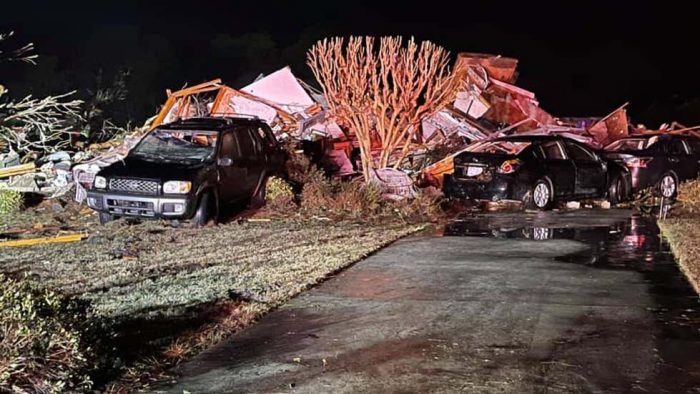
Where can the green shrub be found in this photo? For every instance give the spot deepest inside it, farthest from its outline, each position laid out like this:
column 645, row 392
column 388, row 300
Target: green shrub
column 279, row 195
column 10, row 201
column 40, row 345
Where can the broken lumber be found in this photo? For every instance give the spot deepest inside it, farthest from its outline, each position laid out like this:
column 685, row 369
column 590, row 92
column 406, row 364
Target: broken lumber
column 44, row 240
column 17, row 170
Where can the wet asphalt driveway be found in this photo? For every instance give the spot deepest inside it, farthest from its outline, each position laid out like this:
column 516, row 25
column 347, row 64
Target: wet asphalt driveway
column 582, row 301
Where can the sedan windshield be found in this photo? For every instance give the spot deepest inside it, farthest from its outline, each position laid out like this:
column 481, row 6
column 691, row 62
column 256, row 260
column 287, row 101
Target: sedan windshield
column 631, row 144
column 499, row 147
column 177, row 145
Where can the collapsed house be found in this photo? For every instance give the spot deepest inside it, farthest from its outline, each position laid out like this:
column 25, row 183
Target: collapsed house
column 488, row 105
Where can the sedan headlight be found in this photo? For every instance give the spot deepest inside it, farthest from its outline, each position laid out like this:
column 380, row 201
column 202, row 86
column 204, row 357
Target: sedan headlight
column 177, row 187
column 100, row 182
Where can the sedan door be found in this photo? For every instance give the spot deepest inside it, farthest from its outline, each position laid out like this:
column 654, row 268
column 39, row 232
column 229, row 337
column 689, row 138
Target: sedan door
column 680, row 159
column 559, row 168
column 591, row 173
column 694, row 144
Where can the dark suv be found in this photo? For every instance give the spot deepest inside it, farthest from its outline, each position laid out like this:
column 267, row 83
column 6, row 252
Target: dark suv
column 189, row 169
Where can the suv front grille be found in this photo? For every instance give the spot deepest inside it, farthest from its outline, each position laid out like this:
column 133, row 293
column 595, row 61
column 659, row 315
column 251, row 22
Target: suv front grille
column 137, row 186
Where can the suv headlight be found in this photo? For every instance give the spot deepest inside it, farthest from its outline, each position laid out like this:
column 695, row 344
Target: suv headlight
column 177, row 187
column 100, row 182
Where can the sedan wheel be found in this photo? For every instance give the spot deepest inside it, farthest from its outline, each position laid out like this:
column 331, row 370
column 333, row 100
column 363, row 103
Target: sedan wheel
column 667, row 186
column 542, row 195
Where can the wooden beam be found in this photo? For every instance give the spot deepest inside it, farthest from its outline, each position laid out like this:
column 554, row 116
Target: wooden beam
column 41, row 241
column 17, row 170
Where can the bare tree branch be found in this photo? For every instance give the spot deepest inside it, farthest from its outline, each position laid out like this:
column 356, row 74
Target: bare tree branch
column 382, row 94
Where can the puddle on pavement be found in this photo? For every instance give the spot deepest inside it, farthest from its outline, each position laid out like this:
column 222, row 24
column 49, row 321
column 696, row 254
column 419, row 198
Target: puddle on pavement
column 633, row 244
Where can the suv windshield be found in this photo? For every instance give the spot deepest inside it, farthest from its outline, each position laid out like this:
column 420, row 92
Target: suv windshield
column 631, row 144
column 499, row 147
column 177, row 145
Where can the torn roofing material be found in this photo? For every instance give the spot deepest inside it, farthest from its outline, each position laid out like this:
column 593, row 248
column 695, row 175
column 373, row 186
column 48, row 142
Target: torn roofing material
column 283, row 88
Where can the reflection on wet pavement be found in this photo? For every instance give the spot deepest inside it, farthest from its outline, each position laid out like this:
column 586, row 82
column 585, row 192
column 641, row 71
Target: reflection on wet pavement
column 632, row 244
column 583, row 301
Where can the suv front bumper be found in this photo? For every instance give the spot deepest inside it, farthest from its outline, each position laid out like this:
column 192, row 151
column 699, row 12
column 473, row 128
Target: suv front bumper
column 141, row 206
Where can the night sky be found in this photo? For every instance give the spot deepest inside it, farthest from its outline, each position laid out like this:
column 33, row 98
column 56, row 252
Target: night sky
column 580, row 58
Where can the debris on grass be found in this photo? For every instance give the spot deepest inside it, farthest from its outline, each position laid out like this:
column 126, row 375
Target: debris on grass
column 41, row 241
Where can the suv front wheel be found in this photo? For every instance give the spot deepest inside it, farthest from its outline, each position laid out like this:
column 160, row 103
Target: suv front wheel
column 205, row 210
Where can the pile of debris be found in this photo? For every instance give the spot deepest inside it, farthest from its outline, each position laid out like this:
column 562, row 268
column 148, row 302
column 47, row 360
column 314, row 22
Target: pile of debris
column 491, row 106
column 57, row 173
column 488, row 106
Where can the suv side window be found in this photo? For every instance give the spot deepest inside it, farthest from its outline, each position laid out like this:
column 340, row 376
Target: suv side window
column 553, row 151
column 246, row 146
column 228, row 146
column 577, row 152
column 267, row 136
column 256, row 138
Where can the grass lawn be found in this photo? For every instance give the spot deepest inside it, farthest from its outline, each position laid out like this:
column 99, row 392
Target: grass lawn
column 683, row 235
column 682, row 231
column 170, row 292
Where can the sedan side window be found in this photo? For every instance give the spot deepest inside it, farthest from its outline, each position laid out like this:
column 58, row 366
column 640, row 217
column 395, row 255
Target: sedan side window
column 577, row 152
column 694, row 144
column 677, row 148
column 553, row 151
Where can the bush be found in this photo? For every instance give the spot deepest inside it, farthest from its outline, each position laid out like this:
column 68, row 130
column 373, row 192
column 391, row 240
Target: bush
column 689, row 199
column 40, row 345
column 10, row 201
column 355, row 200
column 279, row 195
column 298, row 166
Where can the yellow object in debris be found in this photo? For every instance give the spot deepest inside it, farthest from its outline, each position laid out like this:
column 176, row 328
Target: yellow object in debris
column 44, row 240
column 17, row 170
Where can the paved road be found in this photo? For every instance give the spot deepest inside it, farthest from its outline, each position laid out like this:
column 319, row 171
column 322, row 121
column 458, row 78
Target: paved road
column 596, row 307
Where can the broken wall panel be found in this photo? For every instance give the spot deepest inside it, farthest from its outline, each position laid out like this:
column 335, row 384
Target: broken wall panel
column 498, row 67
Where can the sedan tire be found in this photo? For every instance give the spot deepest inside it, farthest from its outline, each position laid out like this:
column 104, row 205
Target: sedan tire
column 542, row 195
column 668, row 186
column 617, row 191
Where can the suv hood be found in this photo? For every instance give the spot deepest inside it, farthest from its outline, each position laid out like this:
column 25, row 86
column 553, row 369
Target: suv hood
column 136, row 167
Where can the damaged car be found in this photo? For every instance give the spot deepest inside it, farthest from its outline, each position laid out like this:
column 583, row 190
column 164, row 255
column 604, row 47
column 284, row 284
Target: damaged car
column 537, row 170
column 658, row 161
column 189, row 169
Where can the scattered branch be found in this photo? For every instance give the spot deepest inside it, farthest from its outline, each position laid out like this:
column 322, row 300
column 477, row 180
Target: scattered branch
column 31, row 124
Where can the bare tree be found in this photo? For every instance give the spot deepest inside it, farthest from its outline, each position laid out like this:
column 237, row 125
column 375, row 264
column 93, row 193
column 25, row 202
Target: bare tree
column 31, row 124
column 381, row 94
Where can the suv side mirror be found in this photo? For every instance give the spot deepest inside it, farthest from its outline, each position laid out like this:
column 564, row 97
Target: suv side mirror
column 225, row 162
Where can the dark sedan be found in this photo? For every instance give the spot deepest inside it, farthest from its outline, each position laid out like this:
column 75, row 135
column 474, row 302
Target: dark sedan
column 658, row 161
column 537, row 170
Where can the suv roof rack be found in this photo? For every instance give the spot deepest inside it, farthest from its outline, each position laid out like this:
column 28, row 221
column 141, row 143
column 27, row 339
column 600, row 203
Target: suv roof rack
column 232, row 116
column 227, row 119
